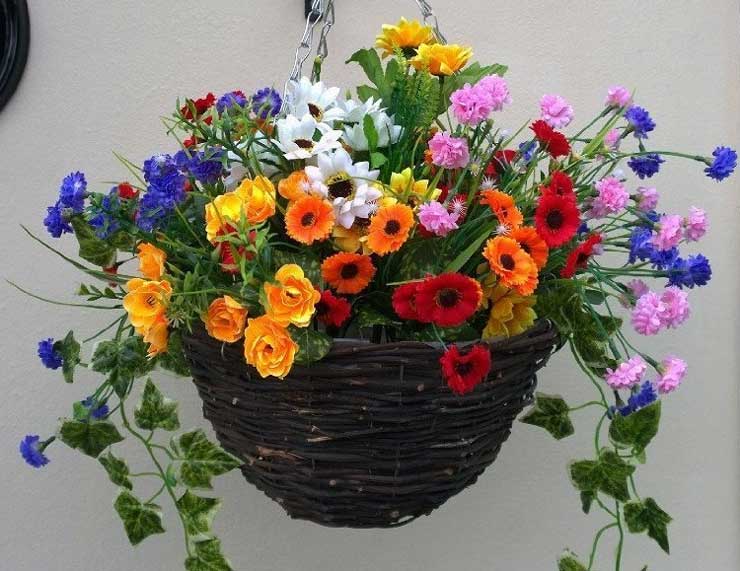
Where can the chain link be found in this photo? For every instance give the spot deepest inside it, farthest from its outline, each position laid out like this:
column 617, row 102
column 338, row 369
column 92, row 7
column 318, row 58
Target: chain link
column 304, row 48
column 430, row 18
column 322, row 51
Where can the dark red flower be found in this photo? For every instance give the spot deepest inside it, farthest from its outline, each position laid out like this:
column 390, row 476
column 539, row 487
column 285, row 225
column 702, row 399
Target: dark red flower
column 500, row 162
column 560, row 184
column 553, row 142
column 447, row 300
column 579, row 257
column 125, row 190
column 190, row 142
column 332, row 310
column 463, row 371
column 557, row 219
column 404, row 301
column 201, row 105
column 231, row 255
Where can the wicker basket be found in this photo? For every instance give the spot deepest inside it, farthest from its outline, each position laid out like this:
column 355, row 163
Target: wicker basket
column 370, row 436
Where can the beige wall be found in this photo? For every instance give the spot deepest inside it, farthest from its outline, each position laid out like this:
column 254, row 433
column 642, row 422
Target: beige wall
column 99, row 76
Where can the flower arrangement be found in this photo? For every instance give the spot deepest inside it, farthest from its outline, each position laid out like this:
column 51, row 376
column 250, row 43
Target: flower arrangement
column 404, row 213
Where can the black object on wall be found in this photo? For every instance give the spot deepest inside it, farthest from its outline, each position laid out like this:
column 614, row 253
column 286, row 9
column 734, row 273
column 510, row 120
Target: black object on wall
column 15, row 34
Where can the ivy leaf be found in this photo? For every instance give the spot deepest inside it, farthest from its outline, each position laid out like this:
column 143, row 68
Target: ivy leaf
column 123, row 361
column 202, row 459
column 648, row 516
column 312, row 345
column 174, row 360
column 368, row 316
column 608, row 474
column 69, row 349
column 377, row 159
column 422, row 258
column 551, row 413
column 155, row 411
column 208, row 557
column 139, row 520
column 308, row 262
column 92, row 248
column 637, row 429
column 587, row 498
column 569, row 562
column 90, row 438
column 117, row 470
column 197, row 512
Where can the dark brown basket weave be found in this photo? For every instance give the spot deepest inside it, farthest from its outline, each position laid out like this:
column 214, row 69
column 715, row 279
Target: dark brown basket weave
column 370, row 436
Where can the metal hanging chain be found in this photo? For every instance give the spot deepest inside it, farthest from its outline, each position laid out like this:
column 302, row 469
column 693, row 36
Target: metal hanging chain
column 304, row 48
column 430, row 19
column 322, row 51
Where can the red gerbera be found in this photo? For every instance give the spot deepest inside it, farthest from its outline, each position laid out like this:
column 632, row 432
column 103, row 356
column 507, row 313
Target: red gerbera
column 557, row 219
column 332, row 310
column 555, row 143
column 579, row 257
column 560, row 184
column 201, row 105
column 447, row 300
column 404, row 301
column 463, row 371
column 125, row 190
column 500, row 162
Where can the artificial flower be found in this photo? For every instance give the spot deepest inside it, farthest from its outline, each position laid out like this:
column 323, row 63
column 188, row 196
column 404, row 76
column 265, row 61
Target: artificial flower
column 556, row 111
column 695, row 224
column 668, row 232
column 628, row 374
column 557, row 219
column 151, row 261
column 690, row 272
column 386, row 130
column 645, row 166
column 531, row 242
column 347, row 272
column 314, row 99
column 146, row 301
column 331, row 310
column 560, row 184
column 229, row 100
column 258, row 196
column 441, row 59
column 195, row 108
column 463, row 371
column 449, row 152
column 618, row 96
column 389, row 228
column 578, row 258
column 404, row 301
column 504, row 207
column 406, row 35
column 296, row 137
column 723, row 164
column 640, row 399
column 640, row 121
column 497, row 90
column 648, row 314
column 516, row 269
column 73, row 191
column 510, row 313
column 156, row 336
column 647, row 198
column 470, row 105
column 268, row 347
column 32, row 451
column 50, row 357
column 552, row 141
column 447, row 300
column 225, row 319
column 404, row 186
column 223, row 213
column 676, row 308
column 266, row 103
column 296, row 185
column 611, row 199
column 435, row 218
column 672, row 371
column 309, row 219
column 293, row 299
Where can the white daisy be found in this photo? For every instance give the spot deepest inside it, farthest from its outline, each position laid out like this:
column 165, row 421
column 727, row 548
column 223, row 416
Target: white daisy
column 296, row 137
column 315, row 99
column 354, row 112
column 361, row 205
column 354, row 135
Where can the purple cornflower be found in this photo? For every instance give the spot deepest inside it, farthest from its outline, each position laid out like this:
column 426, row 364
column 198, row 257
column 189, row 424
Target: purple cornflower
column 55, row 221
column 103, row 214
column 204, row 166
column 97, row 411
column 72, row 192
column 640, row 121
column 50, row 357
column 690, row 272
column 229, row 100
column 645, row 166
column 165, row 191
column 33, row 451
column 266, row 103
column 723, row 165
column 527, row 150
column 639, row 399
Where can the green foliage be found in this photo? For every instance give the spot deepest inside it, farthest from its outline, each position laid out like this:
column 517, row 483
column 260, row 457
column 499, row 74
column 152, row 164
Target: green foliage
column 607, row 474
column 197, row 513
column 551, row 413
column 637, row 429
column 416, row 102
column 92, row 249
column 139, row 520
column 155, row 411
column 201, row 459
column 471, row 74
column 587, row 500
column 312, row 345
column 371, row 133
column 569, row 562
column 207, row 557
column 174, row 360
column 308, row 261
column 91, row 437
column 421, row 258
column 648, row 516
column 122, row 360
column 383, row 80
column 69, row 349
column 367, row 316
column 117, row 469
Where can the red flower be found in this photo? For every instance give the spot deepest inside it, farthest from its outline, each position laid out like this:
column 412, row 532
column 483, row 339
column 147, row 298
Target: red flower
column 201, row 105
column 579, row 257
column 555, row 143
column 447, row 300
column 500, row 162
column 230, row 260
column 557, row 219
column 464, row 371
column 560, row 184
column 332, row 310
column 125, row 190
column 190, row 142
column 404, row 301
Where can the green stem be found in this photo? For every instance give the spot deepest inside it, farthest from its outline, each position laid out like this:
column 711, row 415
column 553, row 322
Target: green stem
column 620, row 545
column 596, row 543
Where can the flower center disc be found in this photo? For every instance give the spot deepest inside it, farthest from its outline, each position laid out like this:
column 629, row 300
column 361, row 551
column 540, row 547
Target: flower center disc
column 304, row 143
column 555, row 219
column 315, row 111
column 392, row 227
column 507, row 262
column 308, row 219
column 349, row 271
column 340, row 185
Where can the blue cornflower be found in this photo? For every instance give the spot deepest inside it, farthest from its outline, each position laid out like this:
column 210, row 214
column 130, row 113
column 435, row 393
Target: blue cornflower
column 266, row 103
column 650, row 218
column 640, row 121
column 56, row 222
column 97, row 411
column 228, row 100
column 693, row 271
column 204, row 166
column 103, row 216
column 583, row 229
column 165, row 191
column 527, row 150
column 644, row 397
column 72, row 192
column 641, row 244
column 50, row 357
column 645, row 166
column 33, row 451
column 663, row 259
column 723, row 165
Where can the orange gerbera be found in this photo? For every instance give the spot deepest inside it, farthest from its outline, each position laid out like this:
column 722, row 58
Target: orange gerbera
column 309, row 219
column 515, row 268
column 503, row 207
column 390, row 228
column 532, row 243
column 348, row 273
column 295, row 186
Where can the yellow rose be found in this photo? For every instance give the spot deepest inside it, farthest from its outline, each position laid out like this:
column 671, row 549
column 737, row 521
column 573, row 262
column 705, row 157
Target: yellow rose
column 268, row 347
column 146, row 301
column 225, row 210
column 225, row 319
column 294, row 300
column 156, row 335
column 441, row 59
column 258, row 196
column 151, row 261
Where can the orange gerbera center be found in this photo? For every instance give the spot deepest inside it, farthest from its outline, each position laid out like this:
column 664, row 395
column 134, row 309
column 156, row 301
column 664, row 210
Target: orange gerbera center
column 532, row 243
column 389, row 228
column 348, row 273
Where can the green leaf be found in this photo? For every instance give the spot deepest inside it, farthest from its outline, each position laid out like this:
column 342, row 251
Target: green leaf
column 551, row 413
column 202, row 459
column 139, row 520
column 155, row 411
column 208, row 557
column 117, row 470
column 90, row 438
column 312, row 345
column 122, row 360
column 469, row 252
column 471, row 74
column 367, row 316
column 637, row 429
column 464, row 332
column 370, row 62
column 421, row 258
column 377, row 159
column 197, row 512
column 69, row 349
column 306, row 260
column 174, row 360
column 371, row 133
column 92, row 248
column 587, row 498
column 365, row 92
column 648, row 516
column 569, row 562
column 608, row 474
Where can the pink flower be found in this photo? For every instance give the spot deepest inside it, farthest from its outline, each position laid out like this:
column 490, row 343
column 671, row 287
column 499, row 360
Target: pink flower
column 618, row 96
column 638, row 287
column 449, row 152
column 612, row 197
column 497, row 89
column 627, row 374
column 672, row 371
column 648, row 314
column 695, row 224
column 647, row 198
column 612, row 139
column 668, row 233
column 471, row 105
column 435, row 218
column 677, row 308
column 556, row 111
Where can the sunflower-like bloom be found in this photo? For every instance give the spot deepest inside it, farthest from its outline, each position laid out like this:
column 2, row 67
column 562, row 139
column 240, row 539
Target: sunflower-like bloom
column 309, row 219
column 405, row 35
column 347, row 272
column 268, row 347
column 293, row 299
column 389, row 228
column 510, row 313
column 504, row 207
column 441, row 59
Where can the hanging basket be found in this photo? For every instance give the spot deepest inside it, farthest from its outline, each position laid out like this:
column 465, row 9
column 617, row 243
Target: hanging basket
column 370, row 436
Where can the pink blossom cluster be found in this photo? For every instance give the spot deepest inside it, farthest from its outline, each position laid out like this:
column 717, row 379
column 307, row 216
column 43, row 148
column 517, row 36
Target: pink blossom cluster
column 435, row 218
column 672, row 371
column 555, row 111
column 654, row 312
column 695, row 224
column 628, row 374
column 472, row 104
column 618, row 96
column 612, row 197
column 449, row 152
column 647, row 198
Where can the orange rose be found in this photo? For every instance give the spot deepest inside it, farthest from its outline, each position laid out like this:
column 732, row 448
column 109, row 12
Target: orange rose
column 146, row 302
column 295, row 186
column 268, row 347
column 151, row 261
column 259, row 197
column 157, row 336
column 225, row 319
column 294, row 300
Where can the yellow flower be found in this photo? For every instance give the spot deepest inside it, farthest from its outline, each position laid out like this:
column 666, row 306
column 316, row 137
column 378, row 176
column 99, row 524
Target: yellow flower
column 156, row 335
column 146, row 302
column 406, row 35
column 441, row 59
column 258, row 196
column 225, row 319
column 350, row 239
column 411, row 190
column 268, row 347
column 510, row 313
column 151, row 261
column 294, row 300
column 225, row 210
